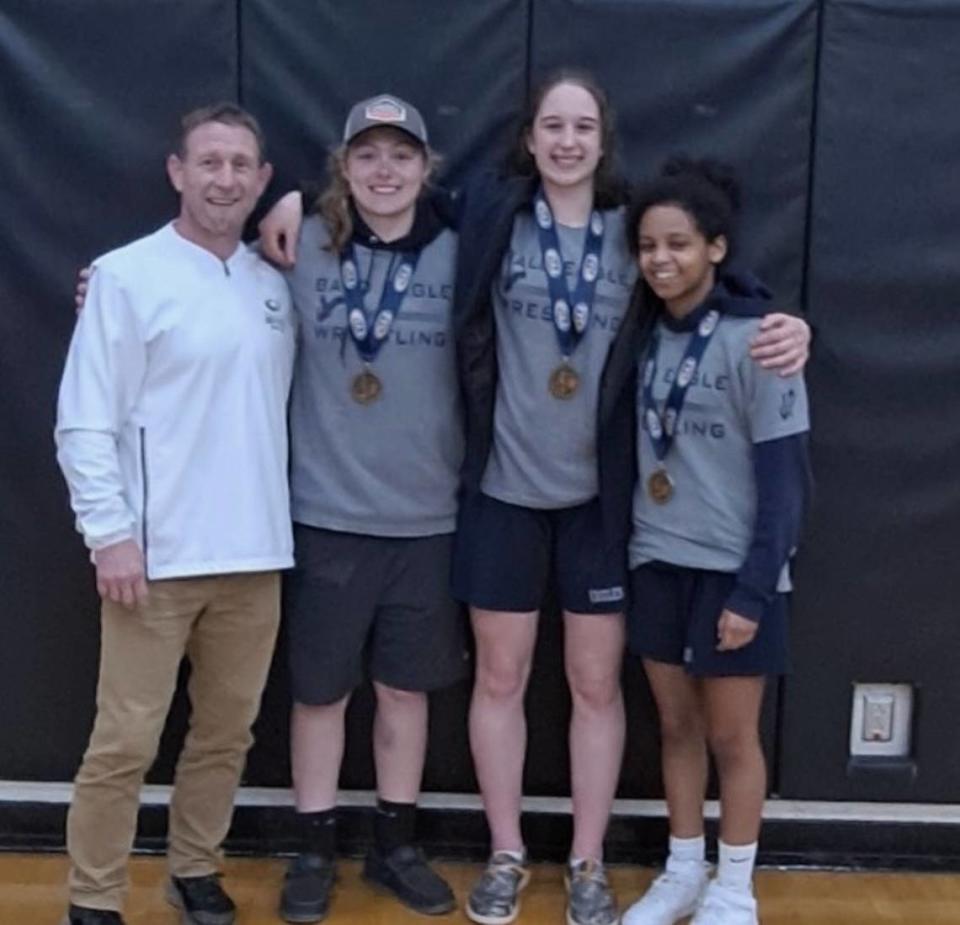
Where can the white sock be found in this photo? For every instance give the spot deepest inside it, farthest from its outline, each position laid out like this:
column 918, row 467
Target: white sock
column 735, row 867
column 686, row 855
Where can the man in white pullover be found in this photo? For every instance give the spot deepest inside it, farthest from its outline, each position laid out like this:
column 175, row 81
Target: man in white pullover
column 171, row 432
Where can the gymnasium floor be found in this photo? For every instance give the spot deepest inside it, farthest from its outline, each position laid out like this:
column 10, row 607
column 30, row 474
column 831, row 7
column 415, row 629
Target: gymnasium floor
column 32, row 893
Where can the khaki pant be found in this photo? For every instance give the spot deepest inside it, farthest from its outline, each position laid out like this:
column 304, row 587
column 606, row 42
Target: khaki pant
column 226, row 626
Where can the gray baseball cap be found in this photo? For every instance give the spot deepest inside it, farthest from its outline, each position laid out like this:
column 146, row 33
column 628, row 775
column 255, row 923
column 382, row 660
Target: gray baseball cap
column 385, row 110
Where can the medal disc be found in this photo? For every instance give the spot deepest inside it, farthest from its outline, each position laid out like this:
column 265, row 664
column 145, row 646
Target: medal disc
column 365, row 388
column 660, row 486
column 564, row 382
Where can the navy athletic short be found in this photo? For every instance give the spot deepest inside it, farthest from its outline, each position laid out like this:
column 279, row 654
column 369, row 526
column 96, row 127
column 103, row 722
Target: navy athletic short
column 673, row 618
column 358, row 605
column 505, row 554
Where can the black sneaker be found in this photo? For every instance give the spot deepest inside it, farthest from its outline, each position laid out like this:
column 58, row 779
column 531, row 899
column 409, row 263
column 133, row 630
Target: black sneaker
column 405, row 873
column 306, row 888
column 80, row 915
column 201, row 900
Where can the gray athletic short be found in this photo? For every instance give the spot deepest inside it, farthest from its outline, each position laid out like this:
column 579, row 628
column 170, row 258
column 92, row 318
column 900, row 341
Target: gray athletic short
column 358, row 605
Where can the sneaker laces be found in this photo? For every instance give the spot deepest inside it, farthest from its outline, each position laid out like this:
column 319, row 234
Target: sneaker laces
column 589, row 870
column 589, row 880
column 501, row 876
column 666, row 881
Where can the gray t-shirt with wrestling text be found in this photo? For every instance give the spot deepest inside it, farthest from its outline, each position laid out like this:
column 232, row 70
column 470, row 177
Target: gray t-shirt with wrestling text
column 391, row 467
column 544, row 449
column 732, row 404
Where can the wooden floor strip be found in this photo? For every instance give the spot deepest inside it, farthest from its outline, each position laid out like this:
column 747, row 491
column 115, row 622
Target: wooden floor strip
column 32, row 893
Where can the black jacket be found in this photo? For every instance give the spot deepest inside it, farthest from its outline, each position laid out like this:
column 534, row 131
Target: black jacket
column 488, row 208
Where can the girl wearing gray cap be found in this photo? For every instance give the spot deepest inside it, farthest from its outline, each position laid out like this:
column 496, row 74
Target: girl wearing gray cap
column 373, row 495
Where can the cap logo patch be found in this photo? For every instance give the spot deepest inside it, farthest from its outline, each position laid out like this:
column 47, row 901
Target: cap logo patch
column 385, row 110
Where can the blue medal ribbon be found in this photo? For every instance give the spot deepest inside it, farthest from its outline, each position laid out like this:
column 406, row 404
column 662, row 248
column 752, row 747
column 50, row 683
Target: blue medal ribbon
column 663, row 428
column 571, row 311
column 369, row 335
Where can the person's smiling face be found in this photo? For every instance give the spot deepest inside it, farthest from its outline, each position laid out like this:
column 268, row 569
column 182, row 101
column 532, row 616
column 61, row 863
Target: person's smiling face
column 565, row 139
column 676, row 260
column 385, row 170
column 219, row 176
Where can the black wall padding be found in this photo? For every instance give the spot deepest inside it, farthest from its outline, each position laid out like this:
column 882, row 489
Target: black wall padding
column 462, row 63
column 92, row 94
column 732, row 80
column 303, row 64
column 879, row 583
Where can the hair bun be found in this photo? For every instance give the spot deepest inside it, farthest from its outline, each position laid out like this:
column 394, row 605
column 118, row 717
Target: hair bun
column 713, row 173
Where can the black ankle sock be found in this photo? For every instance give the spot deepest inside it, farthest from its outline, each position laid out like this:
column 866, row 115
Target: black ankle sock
column 318, row 832
column 393, row 824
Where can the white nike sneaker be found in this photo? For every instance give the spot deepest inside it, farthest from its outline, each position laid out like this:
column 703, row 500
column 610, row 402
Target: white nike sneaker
column 722, row 905
column 670, row 898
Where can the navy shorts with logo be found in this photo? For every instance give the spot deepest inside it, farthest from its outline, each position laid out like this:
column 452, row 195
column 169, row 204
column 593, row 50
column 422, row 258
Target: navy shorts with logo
column 673, row 618
column 504, row 555
column 358, row 605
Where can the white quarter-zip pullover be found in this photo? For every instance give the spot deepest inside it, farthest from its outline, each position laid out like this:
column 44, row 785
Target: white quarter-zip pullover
column 171, row 425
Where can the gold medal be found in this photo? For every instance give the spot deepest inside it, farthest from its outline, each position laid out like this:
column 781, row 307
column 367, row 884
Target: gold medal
column 564, row 382
column 365, row 388
column 660, row 486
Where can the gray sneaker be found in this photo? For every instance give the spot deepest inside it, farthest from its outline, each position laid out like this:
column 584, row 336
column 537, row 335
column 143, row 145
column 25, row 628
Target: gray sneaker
column 590, row 901
column 495, row 900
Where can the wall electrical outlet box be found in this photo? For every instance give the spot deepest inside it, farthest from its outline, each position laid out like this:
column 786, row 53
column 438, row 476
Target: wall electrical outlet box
column 881, row 721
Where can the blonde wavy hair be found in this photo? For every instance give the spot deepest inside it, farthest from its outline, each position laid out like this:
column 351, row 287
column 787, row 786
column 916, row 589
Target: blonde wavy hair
column 333, row 203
